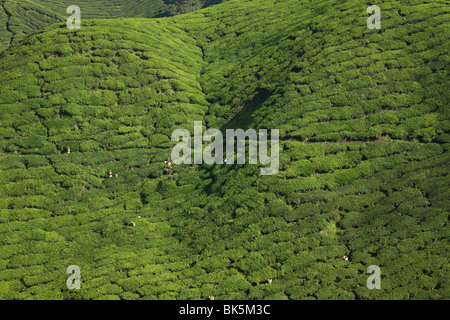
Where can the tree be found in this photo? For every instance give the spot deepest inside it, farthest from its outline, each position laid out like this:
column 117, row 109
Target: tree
column 183, row 6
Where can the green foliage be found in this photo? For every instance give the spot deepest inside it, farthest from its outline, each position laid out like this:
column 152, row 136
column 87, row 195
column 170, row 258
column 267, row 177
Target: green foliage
column 363, row 179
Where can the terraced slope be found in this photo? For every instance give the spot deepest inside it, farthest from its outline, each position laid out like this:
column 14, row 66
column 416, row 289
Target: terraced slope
column 19, row 18
column 111, row 92
column 108, row 9
column 363, row 119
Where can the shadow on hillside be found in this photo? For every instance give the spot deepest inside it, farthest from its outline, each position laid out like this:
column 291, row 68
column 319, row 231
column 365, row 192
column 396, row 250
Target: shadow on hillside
column 241, row 120
column 242, row 117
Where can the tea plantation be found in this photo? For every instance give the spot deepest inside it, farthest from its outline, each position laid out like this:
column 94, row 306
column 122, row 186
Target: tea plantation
column 19, row 18
column 363, row 116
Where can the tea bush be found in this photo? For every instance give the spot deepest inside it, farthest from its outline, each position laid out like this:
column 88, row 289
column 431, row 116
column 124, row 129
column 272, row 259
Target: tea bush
column 363, row 177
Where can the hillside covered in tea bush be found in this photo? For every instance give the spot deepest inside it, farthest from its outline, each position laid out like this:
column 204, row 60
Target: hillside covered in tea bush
column 19, row 18
column 364, row 137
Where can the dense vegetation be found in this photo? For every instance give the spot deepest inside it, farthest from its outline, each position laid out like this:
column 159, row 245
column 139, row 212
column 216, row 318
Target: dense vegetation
column 19, row 18
column 363, row 120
